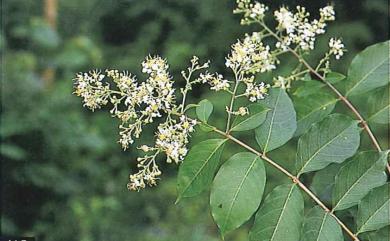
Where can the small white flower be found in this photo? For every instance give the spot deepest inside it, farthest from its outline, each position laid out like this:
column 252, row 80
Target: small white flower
column 250, row 55
column 216, row 81
column 337, row 48
column 256, row 92
column 327, row 13
column 252, row 11
column 285, row 19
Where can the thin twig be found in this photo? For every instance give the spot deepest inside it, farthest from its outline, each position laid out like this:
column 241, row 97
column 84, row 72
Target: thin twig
column 237, row 80
column 292, row 177
column 346, row 102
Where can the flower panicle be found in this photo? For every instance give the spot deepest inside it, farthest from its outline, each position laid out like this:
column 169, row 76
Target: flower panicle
column 136, row 104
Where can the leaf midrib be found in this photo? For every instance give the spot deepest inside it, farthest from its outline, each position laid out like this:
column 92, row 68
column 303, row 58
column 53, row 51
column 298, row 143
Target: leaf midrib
column 366, row 75
column 249, row 119
column 201, row 168
column 379, row 111
column 320, row 149
column 322, row 226
column 370, row 216
column 355, row 183
column 283, row 209
column 238, row 190
column 272, row 122
column 316, row 109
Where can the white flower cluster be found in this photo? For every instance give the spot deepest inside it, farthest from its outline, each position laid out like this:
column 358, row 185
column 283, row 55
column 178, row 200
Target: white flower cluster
column 216, row 81
column 336, row 48
column 299, row 30
column 147, row 100
column 90, row 87
column 241, row 111
column 137, row 104
column 148, row 173
column 327, row 13
column 282, row 82
column 256, row 91
column 252, row 11
column 251, row 56
column 172, row 138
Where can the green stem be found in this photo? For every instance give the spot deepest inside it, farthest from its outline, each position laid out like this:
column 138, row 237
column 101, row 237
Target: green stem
column 232, row 101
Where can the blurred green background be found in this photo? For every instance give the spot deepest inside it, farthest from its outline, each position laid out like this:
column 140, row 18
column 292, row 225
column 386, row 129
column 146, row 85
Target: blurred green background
column 63, row 174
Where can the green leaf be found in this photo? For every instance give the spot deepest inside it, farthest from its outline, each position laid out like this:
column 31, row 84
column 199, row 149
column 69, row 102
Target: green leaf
column 334, row 77
column 364, row 172
column 332, row 140
column 321, row 226
column 369, row 69
column 323, row 182
column 280, row 217
column 374, row 209
column 190, row 106
column 256, row 117
column 311, row 109
column 237, row 190
column 379, row 105
column 205, row 127
column 309, row 88
column 203, row 110
column 198, row 168
column 280, row 123
column 12, row 151
column 381, row 235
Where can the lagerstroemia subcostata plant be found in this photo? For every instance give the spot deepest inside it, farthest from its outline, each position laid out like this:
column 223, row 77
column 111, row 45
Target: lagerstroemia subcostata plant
column 325, row 141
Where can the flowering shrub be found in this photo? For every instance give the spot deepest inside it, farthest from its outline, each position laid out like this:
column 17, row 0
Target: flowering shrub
column 325, row 139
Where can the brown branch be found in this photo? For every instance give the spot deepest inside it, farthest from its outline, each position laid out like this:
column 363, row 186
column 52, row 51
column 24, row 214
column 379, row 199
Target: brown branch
column 346, row 102
column 293, row 178
column 336, row 91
